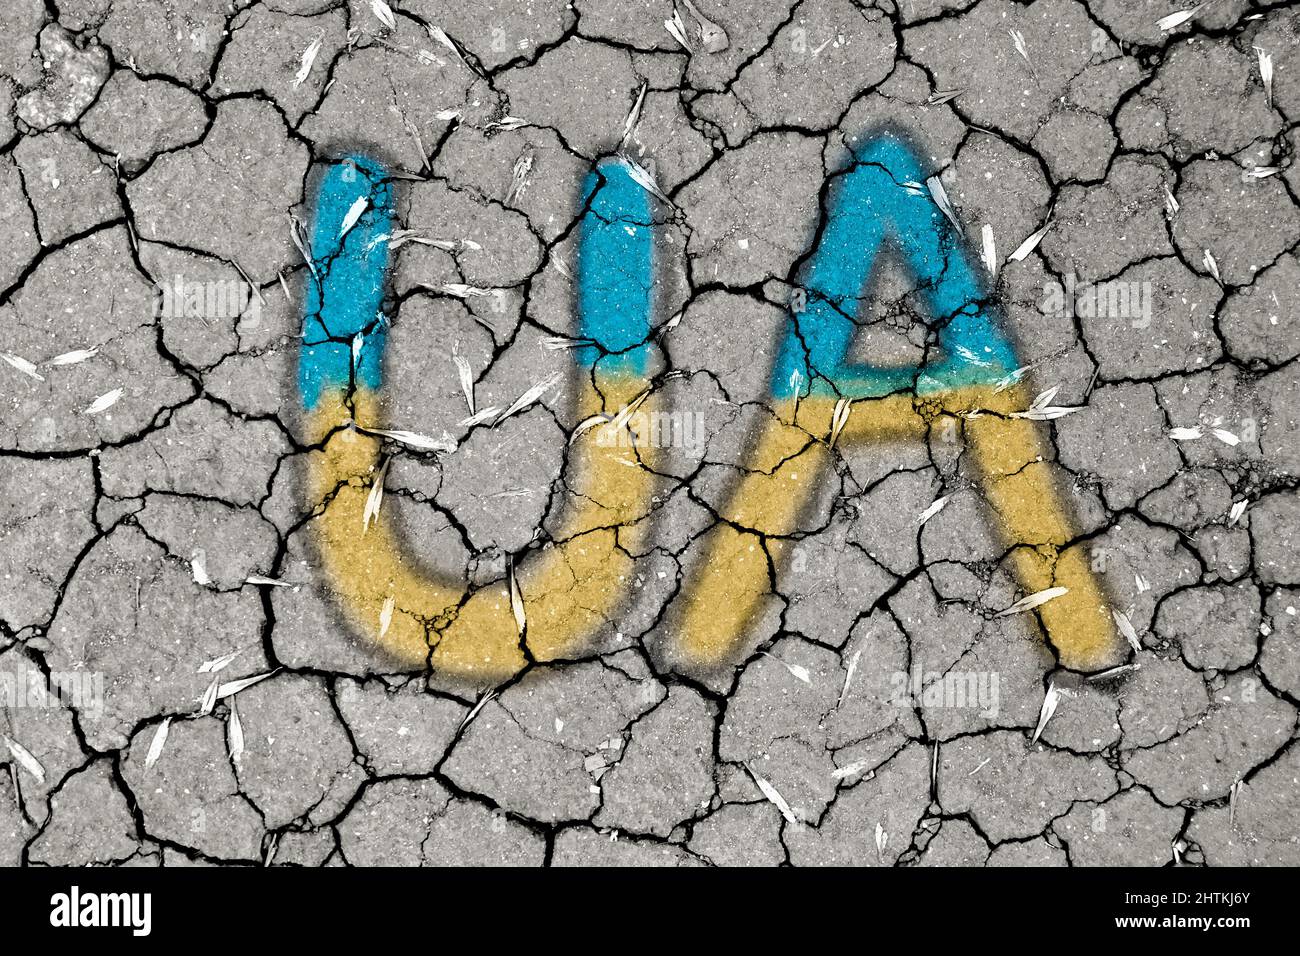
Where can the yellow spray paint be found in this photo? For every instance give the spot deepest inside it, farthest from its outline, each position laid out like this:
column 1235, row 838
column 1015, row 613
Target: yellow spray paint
column 569, row 588
column 767, row 504
column 574, row 583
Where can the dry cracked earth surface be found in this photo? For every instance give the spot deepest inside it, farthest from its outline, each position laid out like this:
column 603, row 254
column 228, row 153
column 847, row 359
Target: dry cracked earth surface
column 153, row 518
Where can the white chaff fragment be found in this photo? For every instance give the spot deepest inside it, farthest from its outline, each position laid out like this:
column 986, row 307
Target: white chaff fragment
column 529, row 397
column 1186, row 434
column 199, row 567
column 403, row 236
column 797, row 671
column 462, row 291
column 235, row 734
column 1266, row 74
column 480, row 416
column 980, row 766
column 1050, row 700
column 796, row 384
column 374, row 498
column 713, row 38
column 1034, row 600
column 519, row 176
column 413, row 440
column 209, row 698
column 1212, row 265
column 934, row 769
column 308, row 58
column 482, row 702
column 620, row 420
column 839, row 773
column 383, row 237
column 156, row 745
column 1171, row 204
column 1127, row 629
column 1042, row 409
column 1141, row 583
column 358, row 343
column 848, row 676
column 935, row 507
column 839, row 419
column 438, row 35
column 384, row 13
column 773, row 796
column 559, row 343
column 882, row 841
column 1225, row 436
column 466, row 376
column 587, row 424
column 505, row 124
column 386, row 614
column 353, row 214
column 641, row 176
column 939, row 97
column 561, row 266
column 218, row 664
column 104, row 402
column 1012, row 378
column 677, row 30
column 1018, row 39
column 272, row 582
column 1030, row 244
column 1234, row 792
column 72, row 358
column 517, row 602
column 414, row 132
column 25, row 759
column 1263, row 172
column 1175, row 20
column 1047, row 414
column 1238, row 509
column 1044, row 398
column 990, row 251
column 24, row 366
column 969, row 356
column 634, row 117
column 299, row 236
column 940, row 197
column 233, row 687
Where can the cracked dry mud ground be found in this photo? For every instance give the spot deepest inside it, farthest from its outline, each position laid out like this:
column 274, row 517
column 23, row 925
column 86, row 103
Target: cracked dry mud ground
column 143, row 139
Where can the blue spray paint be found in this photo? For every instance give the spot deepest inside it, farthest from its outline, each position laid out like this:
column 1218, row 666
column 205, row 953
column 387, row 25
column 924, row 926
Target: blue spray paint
column 351, row 269
column 882, row 196
column 615, row 270
column 615, row 263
